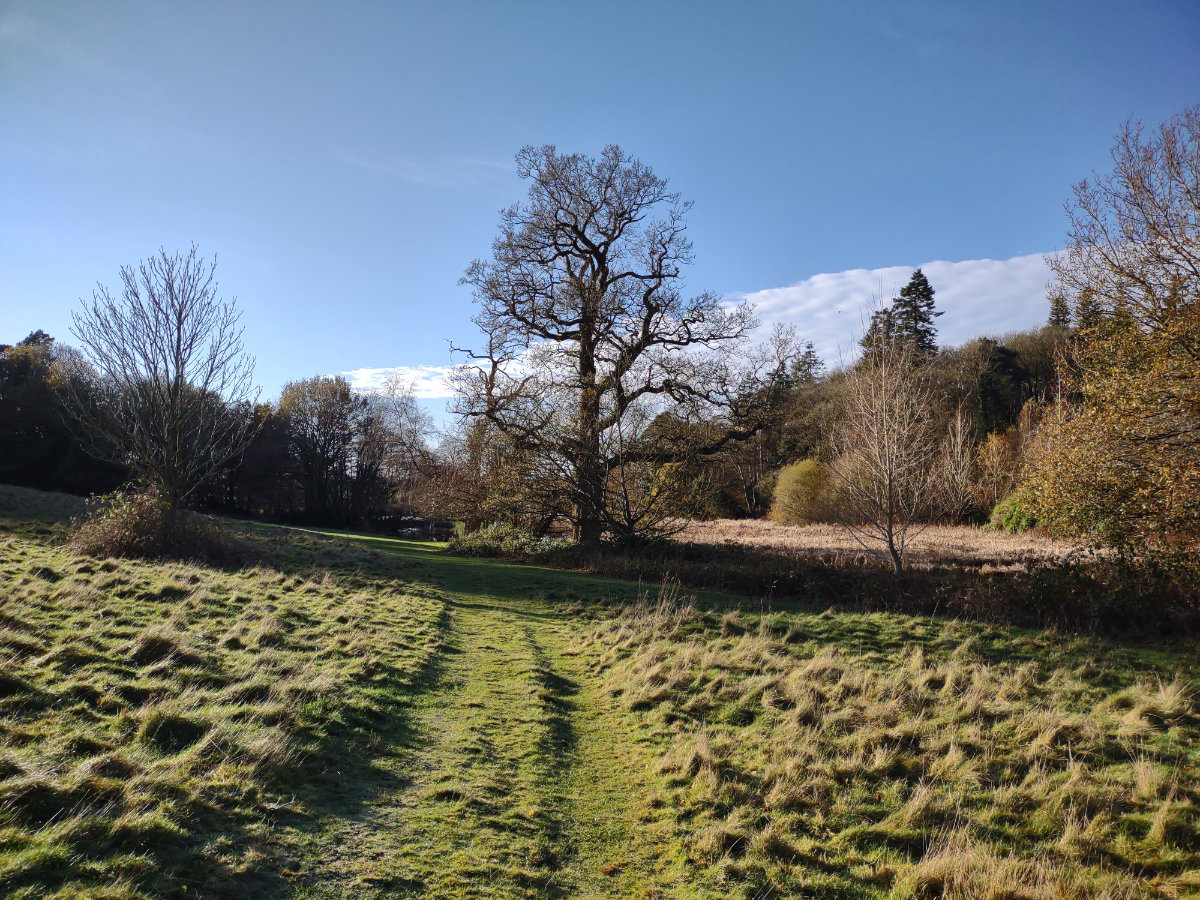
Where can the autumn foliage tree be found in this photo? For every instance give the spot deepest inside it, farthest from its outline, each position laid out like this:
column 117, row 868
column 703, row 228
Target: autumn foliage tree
column 1124, row 461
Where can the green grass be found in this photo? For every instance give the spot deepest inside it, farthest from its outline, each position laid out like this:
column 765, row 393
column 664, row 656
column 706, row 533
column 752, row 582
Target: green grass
column 357, row 716
column 166, row 728
column 852, row 755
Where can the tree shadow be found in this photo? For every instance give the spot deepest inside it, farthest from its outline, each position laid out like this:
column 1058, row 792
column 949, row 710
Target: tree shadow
column 1122, row 599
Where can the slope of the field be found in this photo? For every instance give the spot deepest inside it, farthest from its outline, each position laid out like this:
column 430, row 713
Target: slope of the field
column 161, row 723
column 352, row 716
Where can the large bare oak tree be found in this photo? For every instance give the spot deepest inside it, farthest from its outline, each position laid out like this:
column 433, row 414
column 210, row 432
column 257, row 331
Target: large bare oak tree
column 590, row 338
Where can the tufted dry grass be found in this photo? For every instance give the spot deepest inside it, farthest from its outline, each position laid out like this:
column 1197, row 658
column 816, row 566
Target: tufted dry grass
column 166, row 726
column 886, row 756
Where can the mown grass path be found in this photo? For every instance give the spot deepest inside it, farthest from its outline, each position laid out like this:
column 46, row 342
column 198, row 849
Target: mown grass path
column 512, row 775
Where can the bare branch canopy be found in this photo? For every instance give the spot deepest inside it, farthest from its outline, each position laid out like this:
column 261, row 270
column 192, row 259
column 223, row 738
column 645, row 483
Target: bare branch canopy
column 590, row 338
column 172, row 385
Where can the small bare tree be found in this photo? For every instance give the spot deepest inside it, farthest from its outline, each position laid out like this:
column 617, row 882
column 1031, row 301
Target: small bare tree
column 955, row 468
column 883, row 448
column 171, row 384
column 401, row 431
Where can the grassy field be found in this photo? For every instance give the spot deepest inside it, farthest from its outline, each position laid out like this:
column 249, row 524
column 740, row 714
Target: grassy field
column 874, row 755
column 351, row 716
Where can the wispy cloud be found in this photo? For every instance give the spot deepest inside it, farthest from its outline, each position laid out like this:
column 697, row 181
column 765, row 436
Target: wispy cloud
column 977, row 297
column 427, row 382
column 451, row 172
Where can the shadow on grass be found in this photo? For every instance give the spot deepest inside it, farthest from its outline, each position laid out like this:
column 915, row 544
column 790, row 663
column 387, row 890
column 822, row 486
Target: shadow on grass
column 215, row 842
column 1119, row 597
column 345, row 777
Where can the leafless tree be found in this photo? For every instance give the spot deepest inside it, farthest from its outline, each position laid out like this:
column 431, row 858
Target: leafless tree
column 883, row 448
column 585, row 323
column 172, row 385
column 954, row 472
column 478, row 476
column 402, row 430
column 406, row 427
column 1133, row 245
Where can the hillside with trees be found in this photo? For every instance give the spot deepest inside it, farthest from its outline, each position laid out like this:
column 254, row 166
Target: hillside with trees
column 607, row 404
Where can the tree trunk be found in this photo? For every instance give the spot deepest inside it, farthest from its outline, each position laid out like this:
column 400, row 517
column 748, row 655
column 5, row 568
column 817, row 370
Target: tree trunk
column 897, row 564
column 590, row 475
column 589, row 470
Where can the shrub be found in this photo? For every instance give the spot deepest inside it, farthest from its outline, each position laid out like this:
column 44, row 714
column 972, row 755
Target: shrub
column 801, row 493
column 1013, row 514
column 141, row 524
column 501, row 539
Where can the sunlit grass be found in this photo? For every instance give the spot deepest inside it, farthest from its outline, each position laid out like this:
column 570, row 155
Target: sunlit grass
column 357, row 716
column 877, row 755
column 160, row 722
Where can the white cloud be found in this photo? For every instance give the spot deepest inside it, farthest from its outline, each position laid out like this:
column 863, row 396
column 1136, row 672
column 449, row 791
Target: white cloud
column 428, row 382
column 977, row 297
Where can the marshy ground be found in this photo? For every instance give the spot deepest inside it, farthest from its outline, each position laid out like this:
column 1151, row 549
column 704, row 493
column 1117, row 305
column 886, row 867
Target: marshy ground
column 350, row 716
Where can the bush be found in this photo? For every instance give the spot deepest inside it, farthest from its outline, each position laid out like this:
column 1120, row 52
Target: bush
column 1013, row 514
column 505, row 541
column 801, row 493
column 141, row 524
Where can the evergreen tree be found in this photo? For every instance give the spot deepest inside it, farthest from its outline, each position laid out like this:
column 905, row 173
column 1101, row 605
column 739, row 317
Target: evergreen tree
column 808, row 366
column 1060, row 311
column 880, row 332
column 912, row 314
column 1087, row 311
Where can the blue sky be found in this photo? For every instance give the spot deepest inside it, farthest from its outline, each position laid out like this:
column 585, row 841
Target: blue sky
column 347, row 161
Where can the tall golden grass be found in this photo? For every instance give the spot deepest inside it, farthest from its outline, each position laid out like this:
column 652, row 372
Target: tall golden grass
column 962, row 545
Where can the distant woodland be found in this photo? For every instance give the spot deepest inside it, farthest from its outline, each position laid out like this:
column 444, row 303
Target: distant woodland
column 604, row 402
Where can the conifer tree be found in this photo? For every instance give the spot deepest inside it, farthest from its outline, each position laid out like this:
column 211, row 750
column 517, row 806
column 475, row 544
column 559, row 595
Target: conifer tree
column 808, row 366
column 1060, row 311
column 912, row 314
column 1087, row 310
column 879, row 332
